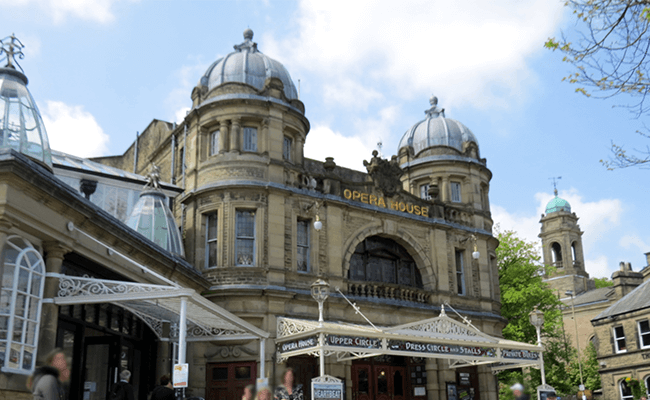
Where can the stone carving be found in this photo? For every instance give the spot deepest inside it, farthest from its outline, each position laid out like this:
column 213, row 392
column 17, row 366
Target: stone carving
column 385, row 174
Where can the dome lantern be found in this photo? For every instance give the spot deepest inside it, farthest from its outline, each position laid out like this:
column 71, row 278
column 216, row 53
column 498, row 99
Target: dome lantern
column 152, row 218
column 21, row 125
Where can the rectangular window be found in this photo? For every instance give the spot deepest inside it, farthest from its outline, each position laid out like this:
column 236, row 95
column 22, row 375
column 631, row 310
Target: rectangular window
column 455, row 192
column 245, row 238
column 214, row 142
column 460, row 272
column 644, row 333
column 286, row 148
column 211, row 240
column 303, row 246
column 250, row 139
column 619, row 339
column 424, row 192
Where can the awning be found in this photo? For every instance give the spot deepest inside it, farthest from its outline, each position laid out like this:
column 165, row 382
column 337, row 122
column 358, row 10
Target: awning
column 440, row 337
column 160, row 307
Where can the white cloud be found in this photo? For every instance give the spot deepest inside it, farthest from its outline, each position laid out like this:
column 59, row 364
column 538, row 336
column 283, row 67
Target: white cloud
column 473, row 52
column 73, row 130
column 179, row 101
column 60, row 10
column 599, row 267
column 631, row 241
column 348, row 152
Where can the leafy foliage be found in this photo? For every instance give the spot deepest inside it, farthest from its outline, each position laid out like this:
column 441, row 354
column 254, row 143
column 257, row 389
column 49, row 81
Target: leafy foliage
column 603, row 282
column 522, row 289
column 610, row 54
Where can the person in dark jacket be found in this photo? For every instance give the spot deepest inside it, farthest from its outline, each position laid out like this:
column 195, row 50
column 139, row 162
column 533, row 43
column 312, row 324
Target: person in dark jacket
column 165, row 391
column 518, row 392
column 123, row 390
column 46, row 382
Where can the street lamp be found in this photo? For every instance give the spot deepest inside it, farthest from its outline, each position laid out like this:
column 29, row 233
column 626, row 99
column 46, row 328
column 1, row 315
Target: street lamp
column 475, row 254
column 537, row 320
column 317, row 224
column 320, row 291
column 575, row 323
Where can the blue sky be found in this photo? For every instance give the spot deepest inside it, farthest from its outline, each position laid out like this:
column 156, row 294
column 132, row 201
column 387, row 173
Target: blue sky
column 101, row 70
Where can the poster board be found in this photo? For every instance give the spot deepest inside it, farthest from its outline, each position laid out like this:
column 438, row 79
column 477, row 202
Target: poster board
column 326, row 389
column 452, row 392
column 181, row 375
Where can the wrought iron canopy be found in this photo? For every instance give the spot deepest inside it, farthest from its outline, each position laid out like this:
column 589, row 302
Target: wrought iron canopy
column 158, row 306
column 440, row 337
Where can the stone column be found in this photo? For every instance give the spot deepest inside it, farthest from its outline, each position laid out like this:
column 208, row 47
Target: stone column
column 234, row 135
column 265, row 139
column 54, row 253
column 223, row 136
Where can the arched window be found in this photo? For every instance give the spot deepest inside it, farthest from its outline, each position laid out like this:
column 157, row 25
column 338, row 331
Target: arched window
column 574, row 252
column 556, row 253
column 23, row 277
column 378, row 259
column 626, row 391
column 646, row 380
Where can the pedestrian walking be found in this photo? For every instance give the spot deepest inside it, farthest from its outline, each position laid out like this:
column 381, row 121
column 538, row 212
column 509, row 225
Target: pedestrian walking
column 165, row 391
column 47, row 381
column 122, row 390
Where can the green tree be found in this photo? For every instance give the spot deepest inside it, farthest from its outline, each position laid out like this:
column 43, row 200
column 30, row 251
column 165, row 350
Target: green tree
column 522, row 289
column 603, row 282
column 609, row 50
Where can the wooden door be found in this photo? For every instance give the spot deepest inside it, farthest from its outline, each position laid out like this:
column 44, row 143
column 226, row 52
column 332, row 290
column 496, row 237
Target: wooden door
column 226, row 381
column 390, row 382
column 361, row 382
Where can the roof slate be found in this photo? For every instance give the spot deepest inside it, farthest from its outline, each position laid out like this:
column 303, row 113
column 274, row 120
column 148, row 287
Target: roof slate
column 637, row 299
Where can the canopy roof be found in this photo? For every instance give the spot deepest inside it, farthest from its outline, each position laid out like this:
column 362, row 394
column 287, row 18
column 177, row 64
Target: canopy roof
column 439, row 337
column 158, row 306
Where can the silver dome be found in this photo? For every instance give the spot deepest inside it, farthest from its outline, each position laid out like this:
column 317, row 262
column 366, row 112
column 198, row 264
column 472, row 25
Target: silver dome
column 248, row 65
column 436, row 130
column 154, row 220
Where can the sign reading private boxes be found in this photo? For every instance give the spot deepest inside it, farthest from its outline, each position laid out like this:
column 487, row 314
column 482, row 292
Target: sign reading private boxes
column 326, row 390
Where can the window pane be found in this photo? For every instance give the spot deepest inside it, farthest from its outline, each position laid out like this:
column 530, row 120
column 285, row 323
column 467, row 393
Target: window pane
column 214, row 143
column 212, row 226
column 18, row 330
column 8, row 275
column 356, row 268
column 220, row 374
column 245, row 224
column 23, row 279
column 21, row 301
column 286, row 149
column 5, row 302
column 30, row 337
column 455, row 192
column 28, row 358
column 32, row 313
column 245, row 248
column 212, row 254
column 4, row 325
column 243, row 373
column 36, row 285
column 303, row 233
column 424, row 192
column 303, row 259
column 250, row 139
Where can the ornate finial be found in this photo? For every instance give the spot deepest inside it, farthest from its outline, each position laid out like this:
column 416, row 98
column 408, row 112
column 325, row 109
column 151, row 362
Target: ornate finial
column 442, row 310
column 555, row 179
column 13, row 48
column 434, row 111
column 248, row 45
column 153, row 177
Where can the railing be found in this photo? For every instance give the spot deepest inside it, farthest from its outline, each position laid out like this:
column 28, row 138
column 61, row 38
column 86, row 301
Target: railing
column 379, row 290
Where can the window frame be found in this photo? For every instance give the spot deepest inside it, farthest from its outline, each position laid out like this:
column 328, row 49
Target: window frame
column 620, row 389
column 643, row 334
column 617, row 348
column 214, row 142
column 210, row 240
column 461, row 288
column 249, row 139
column 424, row 191
column 287, row 150
column 22, row 251
column 305, row 245
column 456, row 195
column 239, row 237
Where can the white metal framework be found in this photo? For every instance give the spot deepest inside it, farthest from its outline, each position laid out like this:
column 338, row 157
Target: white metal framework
column 440, row 337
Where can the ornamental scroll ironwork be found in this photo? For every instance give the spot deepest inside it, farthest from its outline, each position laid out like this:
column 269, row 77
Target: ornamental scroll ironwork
column 443, row 327
column 292, row 327
column 72, row 286
column 12, row 47
column 195, row 330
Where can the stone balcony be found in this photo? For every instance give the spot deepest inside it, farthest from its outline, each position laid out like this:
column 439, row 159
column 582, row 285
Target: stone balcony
column 380, row 290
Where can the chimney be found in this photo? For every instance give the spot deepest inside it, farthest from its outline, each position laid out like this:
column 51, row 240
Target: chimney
column 625, row 280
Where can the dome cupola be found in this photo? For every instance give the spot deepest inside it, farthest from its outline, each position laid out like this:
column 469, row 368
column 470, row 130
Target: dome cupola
column 249, row 66
column 21, row 125
column 437, row 131
column 557, row 204
column 152, row 218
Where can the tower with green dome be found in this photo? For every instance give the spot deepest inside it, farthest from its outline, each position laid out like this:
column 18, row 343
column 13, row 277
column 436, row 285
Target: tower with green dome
column 562, row 248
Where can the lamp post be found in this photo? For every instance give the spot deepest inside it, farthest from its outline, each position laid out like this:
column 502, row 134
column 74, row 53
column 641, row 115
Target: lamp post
column 575, row 323
column 537, row 320
column 320, row 291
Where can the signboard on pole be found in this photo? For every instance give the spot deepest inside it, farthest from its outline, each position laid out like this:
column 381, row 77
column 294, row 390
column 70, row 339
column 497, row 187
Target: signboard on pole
column 326, row 388
column 181, row 375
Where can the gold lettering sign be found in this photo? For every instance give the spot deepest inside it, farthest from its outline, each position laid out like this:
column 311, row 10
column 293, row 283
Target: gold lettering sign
column 381, row 202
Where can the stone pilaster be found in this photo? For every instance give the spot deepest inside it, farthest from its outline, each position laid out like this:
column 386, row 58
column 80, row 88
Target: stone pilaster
column 223, row 136
column 54, row 253
column 235, row 135
column 300, row 144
